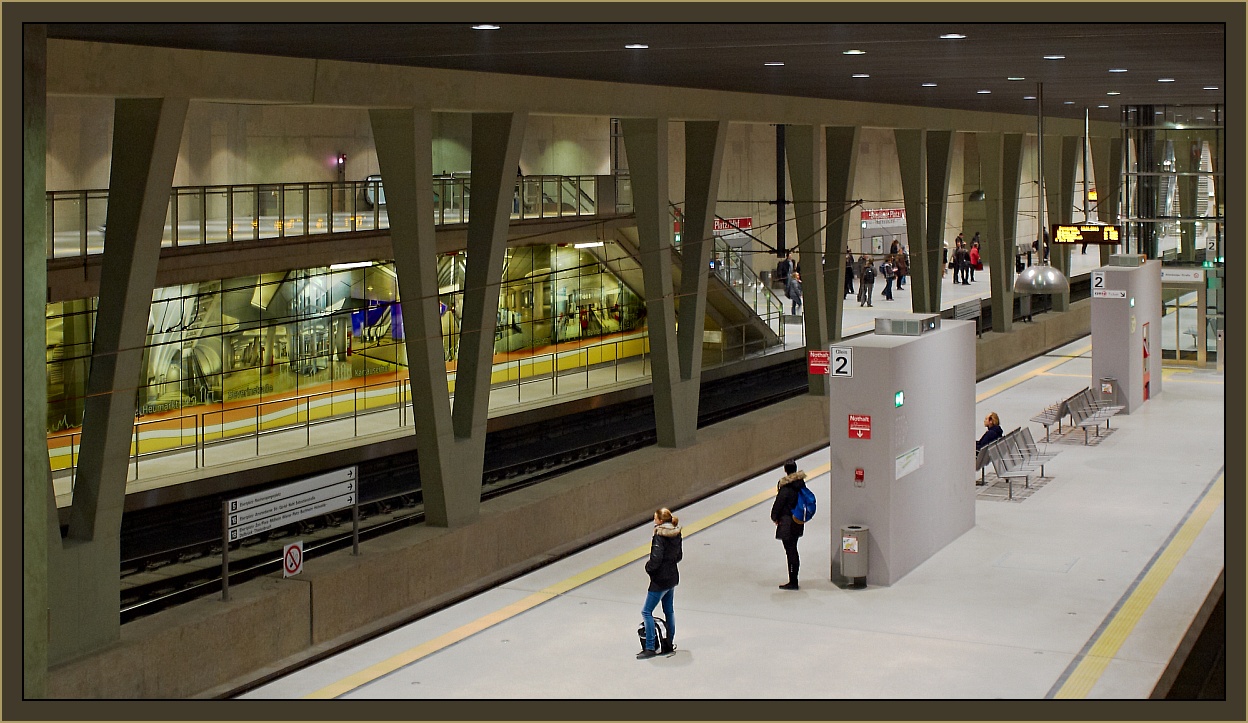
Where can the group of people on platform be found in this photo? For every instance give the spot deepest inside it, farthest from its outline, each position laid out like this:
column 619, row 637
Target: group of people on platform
column 666, row 551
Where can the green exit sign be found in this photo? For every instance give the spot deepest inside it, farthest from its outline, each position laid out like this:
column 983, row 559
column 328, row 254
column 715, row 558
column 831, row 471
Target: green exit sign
column 899, row 398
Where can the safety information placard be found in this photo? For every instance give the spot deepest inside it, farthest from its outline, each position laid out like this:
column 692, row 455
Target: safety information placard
column 860, row 426
column 292, row 559
column 817, row 361
column 849, row 543
column 272, row 508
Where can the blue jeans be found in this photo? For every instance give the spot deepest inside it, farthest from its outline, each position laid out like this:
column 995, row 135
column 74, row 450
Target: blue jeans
column 647, row 614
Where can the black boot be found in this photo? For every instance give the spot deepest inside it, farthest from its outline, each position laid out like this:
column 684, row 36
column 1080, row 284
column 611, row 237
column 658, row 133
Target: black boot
column 666, row 646
column 790, row 585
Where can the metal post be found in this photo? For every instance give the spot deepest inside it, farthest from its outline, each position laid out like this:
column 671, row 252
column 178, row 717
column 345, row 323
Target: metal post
column 136, row 450
column 229, row 214
column 355, row 520
column 307, row 209
column 82, row 225
column 307, row 421
column 257, row 428
column 225, row 552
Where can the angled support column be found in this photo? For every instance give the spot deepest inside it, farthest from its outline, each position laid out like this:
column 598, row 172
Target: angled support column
column 645, row 140
column 704, row 154
column 1059, row 182
column 450, row 449
column 841, row 145
column 1011, row 179
column 997, row 244
column 939, row 167
column 804, row 151
column 39, row 526
column 1107, row 165
column 924, row 260
column 146, row 136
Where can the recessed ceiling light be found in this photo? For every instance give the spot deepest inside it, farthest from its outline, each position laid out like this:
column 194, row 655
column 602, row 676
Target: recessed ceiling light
column 1157, row 112
column 983, row 92
column 1113, row 92
column 929, row 85
column 1015, row 77
column 775, row 64
column 1211, row 87
column 952, row 36
column 854, row 52
column 1068, row 102
column 1029, row 97
column 1102, row 106
column 1054, row 57
column 1165, row 80
column 636, row 46
column 1200, row 117
column 485, row 26
column 1117, row 70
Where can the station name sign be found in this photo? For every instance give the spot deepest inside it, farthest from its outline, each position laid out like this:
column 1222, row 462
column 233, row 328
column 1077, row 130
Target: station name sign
column 1087, row 233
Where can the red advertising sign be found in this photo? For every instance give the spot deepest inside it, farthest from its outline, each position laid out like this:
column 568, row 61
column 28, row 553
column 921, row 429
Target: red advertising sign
column 818, row 362
column 860, row 426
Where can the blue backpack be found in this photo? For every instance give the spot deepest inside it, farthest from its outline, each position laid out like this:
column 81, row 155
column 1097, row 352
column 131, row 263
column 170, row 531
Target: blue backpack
column 804, row 509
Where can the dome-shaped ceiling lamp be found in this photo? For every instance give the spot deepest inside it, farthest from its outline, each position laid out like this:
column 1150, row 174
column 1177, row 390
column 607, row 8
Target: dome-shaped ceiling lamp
column 1041, row 278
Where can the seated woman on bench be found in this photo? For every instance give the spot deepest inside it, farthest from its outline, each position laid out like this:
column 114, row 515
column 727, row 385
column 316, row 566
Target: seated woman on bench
column 993, row 423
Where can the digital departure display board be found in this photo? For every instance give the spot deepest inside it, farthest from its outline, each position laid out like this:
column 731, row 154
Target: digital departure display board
column 1086, row 233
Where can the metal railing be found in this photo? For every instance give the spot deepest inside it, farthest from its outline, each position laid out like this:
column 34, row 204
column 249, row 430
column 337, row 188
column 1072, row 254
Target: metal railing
column 202, row 215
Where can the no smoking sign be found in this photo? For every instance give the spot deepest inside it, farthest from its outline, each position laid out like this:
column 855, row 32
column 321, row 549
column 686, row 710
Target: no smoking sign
column 292, row 559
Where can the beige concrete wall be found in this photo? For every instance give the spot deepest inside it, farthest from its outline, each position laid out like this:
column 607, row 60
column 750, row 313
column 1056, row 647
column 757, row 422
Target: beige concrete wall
column 178, row 653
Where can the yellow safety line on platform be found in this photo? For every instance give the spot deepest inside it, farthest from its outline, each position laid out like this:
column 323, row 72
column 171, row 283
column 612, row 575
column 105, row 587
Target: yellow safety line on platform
column 393, row 663
column 1033, row 373
column 1102, row 652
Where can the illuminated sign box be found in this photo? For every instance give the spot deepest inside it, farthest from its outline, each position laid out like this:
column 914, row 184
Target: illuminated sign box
column 1087, row 233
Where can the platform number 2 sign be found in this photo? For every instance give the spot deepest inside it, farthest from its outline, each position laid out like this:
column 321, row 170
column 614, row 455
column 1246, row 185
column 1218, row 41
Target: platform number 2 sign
column 1098, row 279
column 842, row 362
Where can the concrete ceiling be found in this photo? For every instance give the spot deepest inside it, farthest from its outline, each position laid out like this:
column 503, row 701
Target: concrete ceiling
column 899, row 58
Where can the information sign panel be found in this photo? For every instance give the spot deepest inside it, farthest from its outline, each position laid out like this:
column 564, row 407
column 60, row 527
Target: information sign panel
column 860, row 426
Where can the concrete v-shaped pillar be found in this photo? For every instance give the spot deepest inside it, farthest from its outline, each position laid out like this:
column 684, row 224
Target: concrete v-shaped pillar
column 646, row 141
column 1011, row 178
column 1107, row 166
column 84, row 595
column 704, row 153
column 450, row 449
column 841, row 145
column 924, row 158
column 804, row 151
column 1059, row 182
column 997, row 243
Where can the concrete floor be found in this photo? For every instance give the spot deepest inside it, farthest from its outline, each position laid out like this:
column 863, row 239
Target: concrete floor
column 1084, row 588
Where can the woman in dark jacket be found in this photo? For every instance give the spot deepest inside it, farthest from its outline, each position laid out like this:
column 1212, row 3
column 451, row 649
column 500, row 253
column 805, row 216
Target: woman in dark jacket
column 665, row 551
column 993, row 423
column 788, row 530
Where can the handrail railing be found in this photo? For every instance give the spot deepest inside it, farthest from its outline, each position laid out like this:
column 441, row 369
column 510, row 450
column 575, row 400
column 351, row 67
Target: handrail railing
column 201, row 215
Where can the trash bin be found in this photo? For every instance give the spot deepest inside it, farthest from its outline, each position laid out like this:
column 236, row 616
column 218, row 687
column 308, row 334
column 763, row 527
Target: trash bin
column 854, row 554
column 1108, row 393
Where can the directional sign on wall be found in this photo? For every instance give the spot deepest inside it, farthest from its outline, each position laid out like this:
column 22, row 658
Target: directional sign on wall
column 279, row 506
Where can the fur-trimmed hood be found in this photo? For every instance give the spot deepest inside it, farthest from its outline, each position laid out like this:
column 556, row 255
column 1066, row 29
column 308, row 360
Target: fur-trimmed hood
column 667, row 529
column 789, row 478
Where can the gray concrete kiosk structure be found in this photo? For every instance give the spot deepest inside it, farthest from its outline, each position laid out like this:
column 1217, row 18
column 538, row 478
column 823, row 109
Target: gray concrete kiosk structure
column 916, row 496
column 1126, row 331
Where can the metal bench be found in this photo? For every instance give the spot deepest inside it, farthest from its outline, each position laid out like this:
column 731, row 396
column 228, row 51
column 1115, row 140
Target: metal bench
column 1009, row 467
column 970, row 310
column 1054, row 413
column 1084, row 414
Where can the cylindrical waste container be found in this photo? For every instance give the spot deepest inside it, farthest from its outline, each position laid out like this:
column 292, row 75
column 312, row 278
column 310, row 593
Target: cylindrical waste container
column 1109, row 391
column 854, row 554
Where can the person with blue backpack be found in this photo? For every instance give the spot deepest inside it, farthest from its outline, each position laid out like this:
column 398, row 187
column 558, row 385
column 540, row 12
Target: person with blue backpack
column 792, row 509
